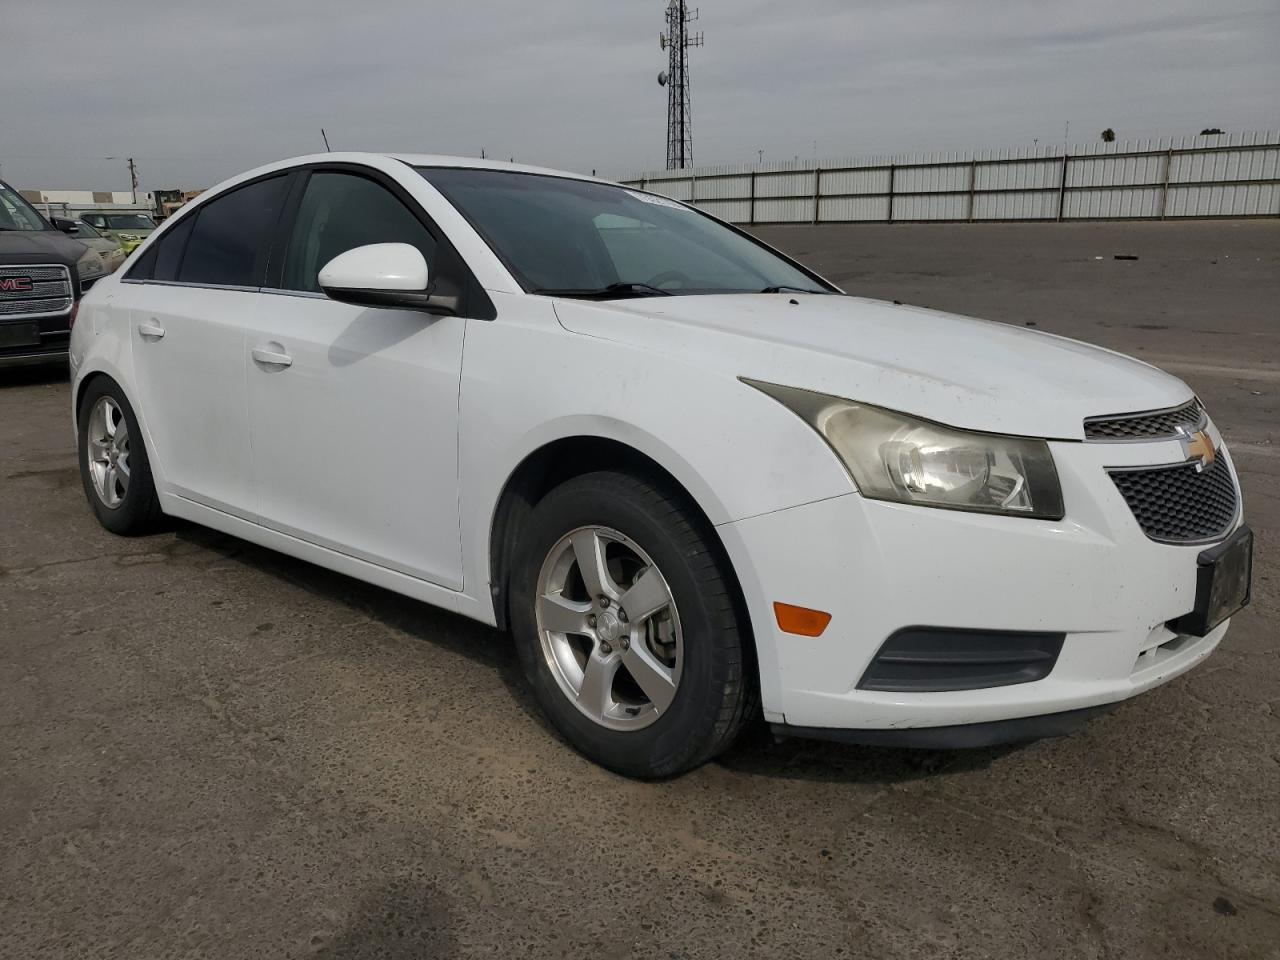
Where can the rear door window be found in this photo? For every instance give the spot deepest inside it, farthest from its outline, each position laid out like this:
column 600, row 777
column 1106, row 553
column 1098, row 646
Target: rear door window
column 162, row 258
column 231, row 237
column 172, row 246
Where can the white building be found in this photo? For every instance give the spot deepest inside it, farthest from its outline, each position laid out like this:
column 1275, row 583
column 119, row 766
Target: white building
column 73, row 203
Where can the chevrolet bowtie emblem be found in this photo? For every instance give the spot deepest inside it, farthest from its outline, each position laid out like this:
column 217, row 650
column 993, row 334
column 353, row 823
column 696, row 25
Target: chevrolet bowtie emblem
column 1198, row 446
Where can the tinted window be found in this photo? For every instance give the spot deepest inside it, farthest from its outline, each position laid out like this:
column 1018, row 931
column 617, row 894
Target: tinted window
column 340, row 211
column 144, row 267
column 232, row 232
column 161, row 259
column 172, row 245
column 84, row 230
column 582, row 237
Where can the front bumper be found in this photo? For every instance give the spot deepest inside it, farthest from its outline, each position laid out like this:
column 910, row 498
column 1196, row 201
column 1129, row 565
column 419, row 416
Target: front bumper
column 880, row 567
column 962, row 736
column 50, row 345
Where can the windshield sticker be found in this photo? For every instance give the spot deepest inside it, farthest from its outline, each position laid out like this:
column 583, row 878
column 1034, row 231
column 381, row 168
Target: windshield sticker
column 656, row 200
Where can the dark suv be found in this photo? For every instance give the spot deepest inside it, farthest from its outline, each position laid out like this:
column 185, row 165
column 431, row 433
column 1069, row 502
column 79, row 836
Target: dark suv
column 42, row 275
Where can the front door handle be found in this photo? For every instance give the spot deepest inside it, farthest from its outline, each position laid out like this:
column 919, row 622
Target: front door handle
column 271, row 355
column 150, row 330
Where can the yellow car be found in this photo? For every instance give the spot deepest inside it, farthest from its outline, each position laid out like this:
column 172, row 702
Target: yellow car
column 128, row 229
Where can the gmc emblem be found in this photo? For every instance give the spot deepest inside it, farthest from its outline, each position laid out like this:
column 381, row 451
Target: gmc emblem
column 15, row 284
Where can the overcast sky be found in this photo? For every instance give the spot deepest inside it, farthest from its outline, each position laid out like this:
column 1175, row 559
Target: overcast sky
column 197, row 91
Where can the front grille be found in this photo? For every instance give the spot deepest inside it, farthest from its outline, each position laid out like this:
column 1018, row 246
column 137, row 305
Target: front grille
column 1151, row 425
column 50, row 292
column 12, row 309
column 1179, row 504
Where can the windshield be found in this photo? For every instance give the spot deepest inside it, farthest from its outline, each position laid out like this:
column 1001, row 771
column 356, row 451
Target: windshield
column 17, row 214
column 84, row 230
column 129, row 221
column 569, row 237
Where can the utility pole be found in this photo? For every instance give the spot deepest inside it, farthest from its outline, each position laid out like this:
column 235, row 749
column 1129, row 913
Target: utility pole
column 677, row 41
column 133, row 179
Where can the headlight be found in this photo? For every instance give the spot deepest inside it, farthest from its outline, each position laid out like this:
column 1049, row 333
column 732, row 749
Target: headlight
column 128, row 236
column 89, row 266
column 893, row 456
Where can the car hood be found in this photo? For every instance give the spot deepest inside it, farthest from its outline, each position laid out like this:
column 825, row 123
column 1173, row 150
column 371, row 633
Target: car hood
column 39, row 246
column 970, row 373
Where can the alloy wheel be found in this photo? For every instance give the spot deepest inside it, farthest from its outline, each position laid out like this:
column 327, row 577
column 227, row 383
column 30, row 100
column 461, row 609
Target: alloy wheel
column 609, row 628
column 108, row 452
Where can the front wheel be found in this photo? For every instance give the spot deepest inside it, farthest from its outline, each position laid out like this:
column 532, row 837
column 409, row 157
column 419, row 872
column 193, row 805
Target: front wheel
column 627, row 628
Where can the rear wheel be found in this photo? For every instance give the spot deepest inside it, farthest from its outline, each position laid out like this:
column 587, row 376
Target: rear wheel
column 626, row 626
column 114, row 468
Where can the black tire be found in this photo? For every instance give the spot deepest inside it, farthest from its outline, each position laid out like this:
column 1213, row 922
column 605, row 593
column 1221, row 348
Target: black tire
column 139, row 509
column 716, row 689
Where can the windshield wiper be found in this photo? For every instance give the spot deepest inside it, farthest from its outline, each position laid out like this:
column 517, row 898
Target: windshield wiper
column 783, row 288
column 614, row 291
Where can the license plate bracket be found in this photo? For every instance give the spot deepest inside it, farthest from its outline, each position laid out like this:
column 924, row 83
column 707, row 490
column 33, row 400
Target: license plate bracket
column 1224, row 577
column 19, row 334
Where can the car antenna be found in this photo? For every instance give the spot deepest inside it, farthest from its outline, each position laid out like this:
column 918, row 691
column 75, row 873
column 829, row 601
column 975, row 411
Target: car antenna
column 324, row 136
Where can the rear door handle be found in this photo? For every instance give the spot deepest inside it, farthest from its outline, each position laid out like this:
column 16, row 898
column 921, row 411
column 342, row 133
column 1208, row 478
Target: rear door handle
column 150, row 330
column 272, row 355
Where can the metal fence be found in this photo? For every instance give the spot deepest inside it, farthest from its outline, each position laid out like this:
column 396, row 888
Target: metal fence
column 1236, row 175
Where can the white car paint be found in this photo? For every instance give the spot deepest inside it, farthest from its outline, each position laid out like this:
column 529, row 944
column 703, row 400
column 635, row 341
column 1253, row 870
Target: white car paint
column 397, row 266
column 382, row 447
column 958, row 370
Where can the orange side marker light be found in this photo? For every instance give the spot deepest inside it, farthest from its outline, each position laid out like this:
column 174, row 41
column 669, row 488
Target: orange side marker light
column 801, row 621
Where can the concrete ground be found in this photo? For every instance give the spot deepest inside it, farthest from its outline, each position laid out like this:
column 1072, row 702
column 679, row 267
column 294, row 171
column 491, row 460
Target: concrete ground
column 207, row 749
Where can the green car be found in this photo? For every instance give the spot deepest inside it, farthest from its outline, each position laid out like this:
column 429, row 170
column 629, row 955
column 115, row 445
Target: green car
column 128, row 229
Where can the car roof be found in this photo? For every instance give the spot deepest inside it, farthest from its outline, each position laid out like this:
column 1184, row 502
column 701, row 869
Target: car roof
column 412, row 159
column 475, row 163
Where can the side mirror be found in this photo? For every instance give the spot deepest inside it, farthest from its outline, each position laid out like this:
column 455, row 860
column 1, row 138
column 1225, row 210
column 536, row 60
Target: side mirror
column 383, row 275
column 65, row 225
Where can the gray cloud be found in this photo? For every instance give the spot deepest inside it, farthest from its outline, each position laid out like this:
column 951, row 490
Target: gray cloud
column 197, row 91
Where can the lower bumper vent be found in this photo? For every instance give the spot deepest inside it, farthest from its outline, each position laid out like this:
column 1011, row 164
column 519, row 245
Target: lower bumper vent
column 934, row 659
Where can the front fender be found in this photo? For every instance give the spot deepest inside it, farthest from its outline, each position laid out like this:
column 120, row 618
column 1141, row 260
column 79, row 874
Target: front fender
column 527, row 382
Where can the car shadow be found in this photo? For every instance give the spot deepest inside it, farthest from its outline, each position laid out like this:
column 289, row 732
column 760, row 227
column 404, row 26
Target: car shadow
column 374, row 331
column 756, row 753
column 442, row 628
column 759, row 753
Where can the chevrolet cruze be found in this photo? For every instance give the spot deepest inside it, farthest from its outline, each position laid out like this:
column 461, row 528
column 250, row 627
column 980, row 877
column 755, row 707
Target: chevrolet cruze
column 696, row 481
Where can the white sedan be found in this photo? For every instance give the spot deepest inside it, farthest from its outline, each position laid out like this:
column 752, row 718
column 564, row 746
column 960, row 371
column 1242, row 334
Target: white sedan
column 695, row 480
